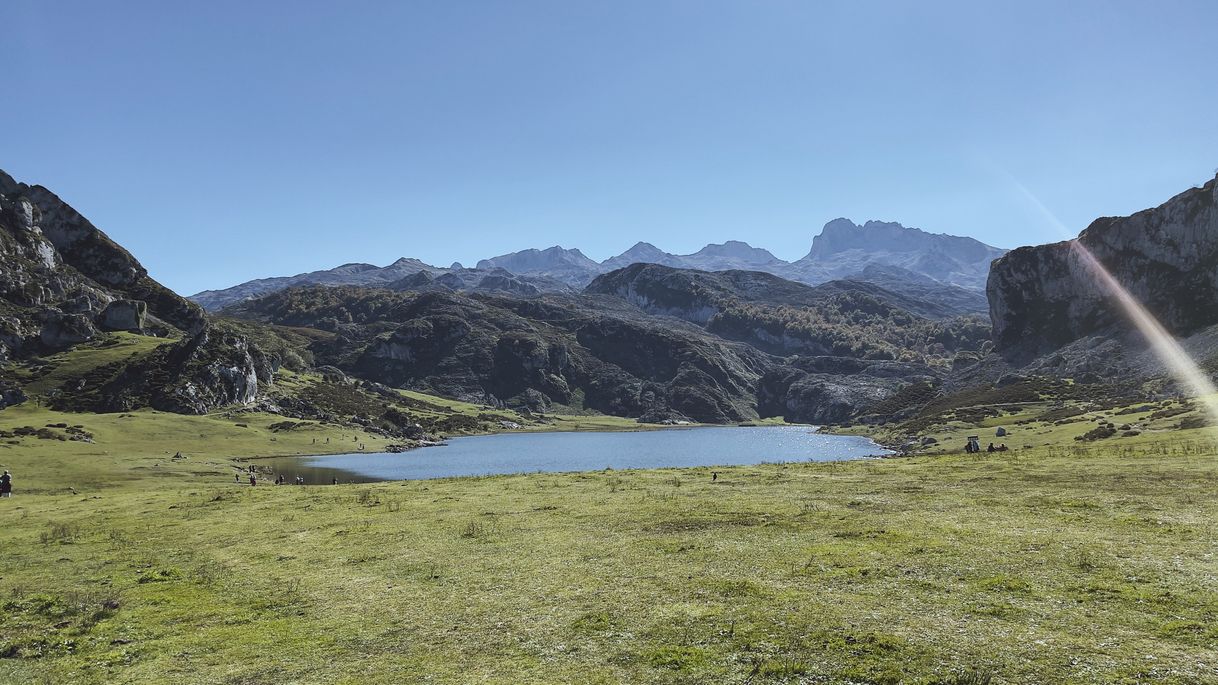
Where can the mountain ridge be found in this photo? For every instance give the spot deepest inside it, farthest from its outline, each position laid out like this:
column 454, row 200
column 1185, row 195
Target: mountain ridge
column 843, row 249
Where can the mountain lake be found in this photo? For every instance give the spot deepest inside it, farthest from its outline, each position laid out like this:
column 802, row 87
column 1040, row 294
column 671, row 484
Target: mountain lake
column 507, row 453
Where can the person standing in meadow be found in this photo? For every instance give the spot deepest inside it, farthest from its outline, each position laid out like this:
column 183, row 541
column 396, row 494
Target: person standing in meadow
column 6, row 485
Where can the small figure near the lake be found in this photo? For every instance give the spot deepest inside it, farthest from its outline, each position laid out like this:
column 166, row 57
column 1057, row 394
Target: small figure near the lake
column 991, row 448
column 1002, row 447
column 6, row 485
column 974, row 444
column 237, row 477
column 253, row 480
column 335, row 481
column 714, row 476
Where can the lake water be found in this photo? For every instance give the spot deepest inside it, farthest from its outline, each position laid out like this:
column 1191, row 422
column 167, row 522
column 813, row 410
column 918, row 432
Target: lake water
column 556, row 452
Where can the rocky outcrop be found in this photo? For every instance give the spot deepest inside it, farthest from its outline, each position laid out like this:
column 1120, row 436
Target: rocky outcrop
column 539, row 353
column 63, row 282
column 1045, row 297
column 124, row 315
column 825, row 389
column 211, row 370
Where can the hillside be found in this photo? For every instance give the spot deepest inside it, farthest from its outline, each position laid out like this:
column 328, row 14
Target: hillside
column 64, row 283
column 729, row 357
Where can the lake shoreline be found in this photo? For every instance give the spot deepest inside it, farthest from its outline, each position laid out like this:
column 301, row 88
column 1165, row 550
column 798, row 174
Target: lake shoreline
column 642, row 428
column 507, row 453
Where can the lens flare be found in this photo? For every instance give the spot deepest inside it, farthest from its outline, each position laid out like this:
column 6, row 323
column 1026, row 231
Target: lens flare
column 1165, row 347
column 1178, row 363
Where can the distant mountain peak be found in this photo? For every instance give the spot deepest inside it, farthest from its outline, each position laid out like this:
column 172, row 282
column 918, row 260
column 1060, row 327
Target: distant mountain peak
column 567, row 265
column 844, row 247
column 738, row 249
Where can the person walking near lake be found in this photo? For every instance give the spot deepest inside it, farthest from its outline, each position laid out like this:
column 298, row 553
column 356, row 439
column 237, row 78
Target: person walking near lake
column 253, row 480
column 6, row 485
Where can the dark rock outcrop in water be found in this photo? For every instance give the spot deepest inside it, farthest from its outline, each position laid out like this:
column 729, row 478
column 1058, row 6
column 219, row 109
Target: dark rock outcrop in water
column 1044, row 298
column 64, row 283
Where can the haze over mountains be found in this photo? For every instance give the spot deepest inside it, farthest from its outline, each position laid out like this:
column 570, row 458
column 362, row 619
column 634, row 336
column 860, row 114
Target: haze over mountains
column 950, row 268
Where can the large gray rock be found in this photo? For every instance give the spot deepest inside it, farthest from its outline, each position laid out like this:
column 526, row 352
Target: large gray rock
column 124, row 315
column 1042, row 298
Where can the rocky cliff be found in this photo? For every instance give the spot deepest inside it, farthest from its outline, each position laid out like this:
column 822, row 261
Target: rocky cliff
column 64, row 283
column 1045, row 297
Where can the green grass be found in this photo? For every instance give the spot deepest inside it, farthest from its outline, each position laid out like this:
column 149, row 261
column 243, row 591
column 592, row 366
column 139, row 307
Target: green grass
column 78, row 362
column 1073, row 563
column 136, row 449
column 1061, row 561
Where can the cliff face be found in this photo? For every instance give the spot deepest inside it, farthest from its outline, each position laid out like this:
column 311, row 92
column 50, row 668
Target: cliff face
column 1044, row 297
column 63, row 283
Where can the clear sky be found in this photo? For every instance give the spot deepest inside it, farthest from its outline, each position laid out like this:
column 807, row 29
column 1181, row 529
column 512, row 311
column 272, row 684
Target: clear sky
column 222, row 141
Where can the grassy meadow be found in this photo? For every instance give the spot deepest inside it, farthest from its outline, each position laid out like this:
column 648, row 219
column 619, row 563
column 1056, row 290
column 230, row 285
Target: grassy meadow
column 1063, row 560
column 1073, row 563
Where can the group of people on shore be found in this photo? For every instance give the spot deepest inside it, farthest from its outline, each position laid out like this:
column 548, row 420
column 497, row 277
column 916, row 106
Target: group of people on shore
column 279, row 479
column 973, row 447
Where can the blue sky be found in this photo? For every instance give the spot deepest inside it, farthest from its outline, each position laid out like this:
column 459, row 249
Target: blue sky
column 223, row 141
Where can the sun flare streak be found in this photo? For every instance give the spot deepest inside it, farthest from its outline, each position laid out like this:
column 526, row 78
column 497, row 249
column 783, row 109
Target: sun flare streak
column 1165, row 347
column 1176, row 360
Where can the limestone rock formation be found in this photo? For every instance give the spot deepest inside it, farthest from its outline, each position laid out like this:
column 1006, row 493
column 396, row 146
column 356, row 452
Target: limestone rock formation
column 63, row 282
column 1045, row 297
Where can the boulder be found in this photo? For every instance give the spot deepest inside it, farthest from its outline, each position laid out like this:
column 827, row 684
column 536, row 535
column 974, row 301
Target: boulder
column 124, row 315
